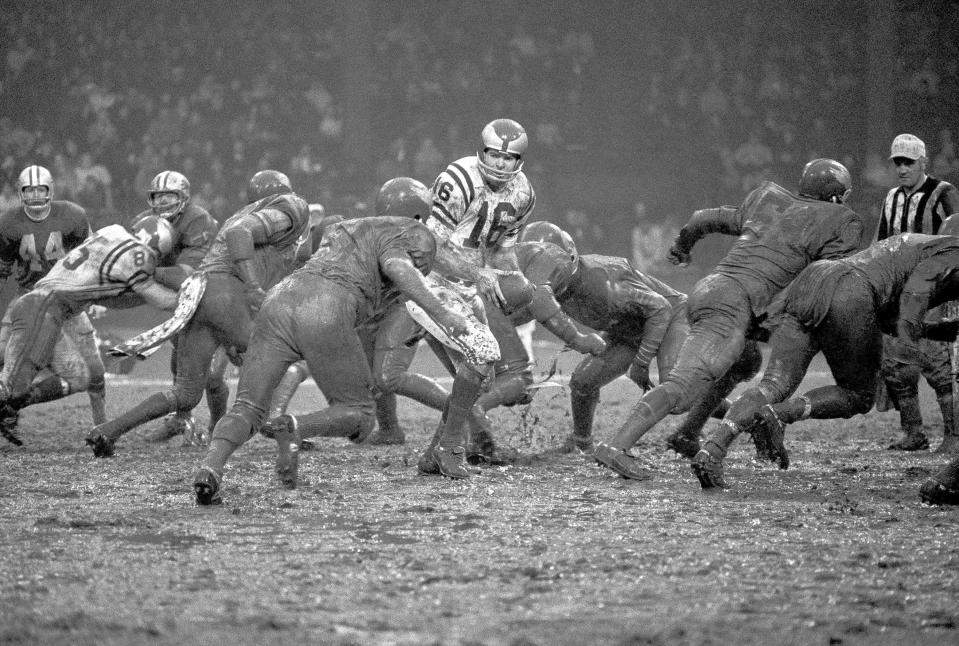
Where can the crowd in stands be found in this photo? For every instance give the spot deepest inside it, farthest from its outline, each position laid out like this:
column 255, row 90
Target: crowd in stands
column 107, row 98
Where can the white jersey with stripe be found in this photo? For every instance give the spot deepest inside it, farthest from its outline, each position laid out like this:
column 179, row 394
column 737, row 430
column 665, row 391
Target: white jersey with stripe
column 473, row 216
column 109, row 263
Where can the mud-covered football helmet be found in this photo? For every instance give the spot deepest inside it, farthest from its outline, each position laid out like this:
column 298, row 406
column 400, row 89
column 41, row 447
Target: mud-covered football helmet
column 155, row 232
column 266, row 183
column 543, row 231
column 403, row 197
column 826, row 180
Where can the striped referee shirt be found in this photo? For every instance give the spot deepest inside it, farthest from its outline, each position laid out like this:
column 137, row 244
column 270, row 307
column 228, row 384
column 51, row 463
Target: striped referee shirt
column 920, row 212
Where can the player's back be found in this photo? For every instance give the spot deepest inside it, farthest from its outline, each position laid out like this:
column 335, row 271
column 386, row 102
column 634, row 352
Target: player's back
column 108, row 263
column 781, row 234
column 887, row 264
column 351, row 251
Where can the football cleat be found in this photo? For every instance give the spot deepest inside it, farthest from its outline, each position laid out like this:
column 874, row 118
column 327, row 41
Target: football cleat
column 451, row 462
column 172, row 426
column 9, row 417
column 578, row 442
column 206, row 486
column 911, row 441
column 383, row 436
column 102, row 446
column 621, row 462
column 709, row 468
column 686, row 446
column 768, row 433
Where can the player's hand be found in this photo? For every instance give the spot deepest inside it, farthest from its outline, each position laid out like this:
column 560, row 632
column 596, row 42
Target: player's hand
column 640, row 376
column 487, row 284
column 906, row 331
column 589, row 344
column 254, row 298
column 96, row 311
column 455, row 324
column 677, row 256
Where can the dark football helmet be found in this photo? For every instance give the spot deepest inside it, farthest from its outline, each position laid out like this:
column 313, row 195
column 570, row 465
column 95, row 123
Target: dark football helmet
column 544, row 231
column 266, row 183
column 404, row 197
column 826, row 180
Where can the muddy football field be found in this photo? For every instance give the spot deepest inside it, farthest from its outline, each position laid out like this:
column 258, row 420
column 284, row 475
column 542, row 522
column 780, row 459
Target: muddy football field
column 551, row 550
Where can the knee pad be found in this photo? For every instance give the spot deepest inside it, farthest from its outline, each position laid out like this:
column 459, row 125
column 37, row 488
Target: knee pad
column 239, row 425
column 187, row 396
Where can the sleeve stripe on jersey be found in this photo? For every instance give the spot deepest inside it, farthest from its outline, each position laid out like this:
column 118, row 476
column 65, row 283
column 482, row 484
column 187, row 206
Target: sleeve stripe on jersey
column 112, row 258
column 440, row 212
column 461, row 177
column 138, row 277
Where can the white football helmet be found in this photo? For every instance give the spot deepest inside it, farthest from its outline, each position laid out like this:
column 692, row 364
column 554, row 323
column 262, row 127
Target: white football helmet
column 35, row 186
column 505, row 136
column 155, row 232
column 169, row 194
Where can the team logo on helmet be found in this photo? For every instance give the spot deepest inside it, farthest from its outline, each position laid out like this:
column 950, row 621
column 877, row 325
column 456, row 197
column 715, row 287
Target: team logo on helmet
column 504, row 136
column 403, row 197
column 169, row 193
column 35, row 186
column 826, row 180
column 266, row 183
column 155, row 232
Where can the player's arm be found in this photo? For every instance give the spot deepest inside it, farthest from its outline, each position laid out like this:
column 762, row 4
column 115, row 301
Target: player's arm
column 253, row 229
column 933, row 281
column 950, row 207
column 846, row 242
column 658, row 314
column 721, row 219
column 79, row 233
column 399, row 268
column 155, row 294
column 197, row 237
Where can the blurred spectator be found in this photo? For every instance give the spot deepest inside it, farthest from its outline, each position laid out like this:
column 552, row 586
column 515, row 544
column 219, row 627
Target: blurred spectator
column 95, row 184
column 8, row 197
column 650, row 241
column 428, row 160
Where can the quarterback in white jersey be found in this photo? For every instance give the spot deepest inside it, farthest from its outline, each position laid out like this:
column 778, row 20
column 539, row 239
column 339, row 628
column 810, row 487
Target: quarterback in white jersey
column 112, row 267
column 480, row 205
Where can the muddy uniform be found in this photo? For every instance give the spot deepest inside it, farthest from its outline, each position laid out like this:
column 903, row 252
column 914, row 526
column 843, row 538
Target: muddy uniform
column 224, row 315
column 194, row 230
column 921, row 211
column 30, row 248
column 840, row 307
column 779, row 234
column 108, row 269
column 642, row 317
column 314, row 315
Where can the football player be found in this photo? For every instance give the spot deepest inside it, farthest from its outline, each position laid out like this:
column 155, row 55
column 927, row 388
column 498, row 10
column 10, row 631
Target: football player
column 193, row 231
column 33, row 237
column 779, row 234
column 252, row 251
column 113, row 268
column 364, row 268
column 641, row 318
column 839, row 308
column 480, row 205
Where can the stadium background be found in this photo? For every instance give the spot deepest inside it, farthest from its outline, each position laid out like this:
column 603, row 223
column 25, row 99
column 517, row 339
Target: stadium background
column 678, row 105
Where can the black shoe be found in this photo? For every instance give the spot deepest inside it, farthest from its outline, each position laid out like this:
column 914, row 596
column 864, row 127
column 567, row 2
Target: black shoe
column 686, row 446
column 621, row 462
column 769, row 433
column 950, row 444
column 206, row 486
column 427, row 464
column 9, row 417
column 102, row 446
column 451, row 462
column 915, row 441
column 709, row 469
column 283, row 430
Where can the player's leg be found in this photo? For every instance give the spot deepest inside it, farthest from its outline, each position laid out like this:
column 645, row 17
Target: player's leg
column 591, row 375
column 217, row 391
column 935, row 363
column 295, row 375
column 265, row 362
column 900, row 369
column 719, row 315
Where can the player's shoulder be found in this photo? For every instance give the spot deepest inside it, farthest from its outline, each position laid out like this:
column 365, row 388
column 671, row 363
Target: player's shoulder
column 196, row 216
column 464, row 172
